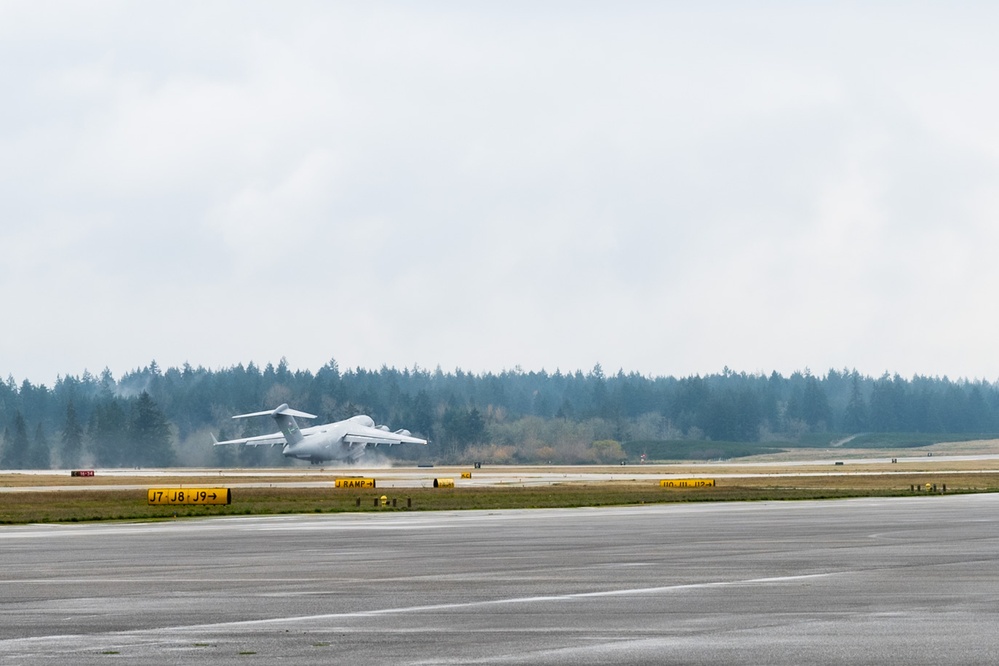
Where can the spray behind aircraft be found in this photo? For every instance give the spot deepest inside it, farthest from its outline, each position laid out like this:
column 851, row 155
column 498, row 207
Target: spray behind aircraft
column 343, row 440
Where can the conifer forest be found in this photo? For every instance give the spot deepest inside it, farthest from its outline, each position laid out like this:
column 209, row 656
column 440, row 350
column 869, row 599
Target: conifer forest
column 154, row 417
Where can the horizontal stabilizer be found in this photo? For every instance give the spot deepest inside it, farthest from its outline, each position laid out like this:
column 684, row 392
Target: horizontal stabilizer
column 283, row 410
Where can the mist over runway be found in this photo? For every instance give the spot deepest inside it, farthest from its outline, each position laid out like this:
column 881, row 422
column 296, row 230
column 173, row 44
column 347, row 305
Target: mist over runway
column 903, row 580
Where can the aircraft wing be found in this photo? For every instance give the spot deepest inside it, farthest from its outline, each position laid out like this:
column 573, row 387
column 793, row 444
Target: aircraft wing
column 358, row 434
column 259, row 440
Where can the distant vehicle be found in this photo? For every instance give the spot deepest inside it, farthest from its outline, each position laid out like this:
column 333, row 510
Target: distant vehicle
column 343, row 440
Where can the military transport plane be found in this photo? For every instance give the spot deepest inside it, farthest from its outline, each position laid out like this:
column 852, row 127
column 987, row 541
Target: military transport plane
column 344, row 440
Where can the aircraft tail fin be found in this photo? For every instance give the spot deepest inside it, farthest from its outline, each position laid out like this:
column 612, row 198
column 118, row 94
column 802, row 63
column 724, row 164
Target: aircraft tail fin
column 285, row 417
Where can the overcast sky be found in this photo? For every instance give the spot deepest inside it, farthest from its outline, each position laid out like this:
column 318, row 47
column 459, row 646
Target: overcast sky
column 664, row 188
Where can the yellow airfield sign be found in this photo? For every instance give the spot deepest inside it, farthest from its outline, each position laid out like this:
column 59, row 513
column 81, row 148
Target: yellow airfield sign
column 354, row 482
column 686, row 483
column 190, row 496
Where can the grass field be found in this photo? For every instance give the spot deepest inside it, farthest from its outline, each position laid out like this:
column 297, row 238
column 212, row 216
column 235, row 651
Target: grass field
column 72, row 505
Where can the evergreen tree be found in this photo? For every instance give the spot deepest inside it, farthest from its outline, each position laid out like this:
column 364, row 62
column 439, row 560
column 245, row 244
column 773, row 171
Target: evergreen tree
column 40, row 453
column 150, row 435
column 855, row 416
column 888, row 405
column 461, row 427
column 108, row 434
column 978, row 412
column 815, row 405
column 107, row 383
column 421, row 416
column 15, row 452
column 72, row 438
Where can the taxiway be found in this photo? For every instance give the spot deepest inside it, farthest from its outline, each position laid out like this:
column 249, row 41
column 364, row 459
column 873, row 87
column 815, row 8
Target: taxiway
column 892, row 581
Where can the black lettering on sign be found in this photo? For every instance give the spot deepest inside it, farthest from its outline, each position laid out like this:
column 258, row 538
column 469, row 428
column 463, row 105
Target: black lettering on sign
column 354, row 483
column 189, row 496
column 686, row 483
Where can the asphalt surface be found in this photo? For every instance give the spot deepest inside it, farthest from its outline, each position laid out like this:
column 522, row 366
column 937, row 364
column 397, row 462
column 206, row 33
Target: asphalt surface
column 887, row 581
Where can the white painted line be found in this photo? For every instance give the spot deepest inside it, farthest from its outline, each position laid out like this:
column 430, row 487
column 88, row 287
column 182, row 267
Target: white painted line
column 498, row 602
column 223, row 627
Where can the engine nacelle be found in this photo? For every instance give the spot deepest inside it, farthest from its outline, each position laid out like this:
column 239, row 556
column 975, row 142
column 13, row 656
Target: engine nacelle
column 403, row 432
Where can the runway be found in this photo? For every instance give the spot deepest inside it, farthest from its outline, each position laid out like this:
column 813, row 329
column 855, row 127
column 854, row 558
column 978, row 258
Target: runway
column 402, row 477
column 892, row 581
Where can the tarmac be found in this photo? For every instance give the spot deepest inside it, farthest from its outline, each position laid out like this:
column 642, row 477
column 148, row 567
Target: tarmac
column 891, row 581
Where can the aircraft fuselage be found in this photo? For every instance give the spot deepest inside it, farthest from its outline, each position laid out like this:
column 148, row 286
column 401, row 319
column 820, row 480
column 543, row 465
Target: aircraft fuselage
column 325, row 442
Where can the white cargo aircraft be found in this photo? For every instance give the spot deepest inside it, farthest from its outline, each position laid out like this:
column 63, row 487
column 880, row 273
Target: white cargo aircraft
column 344, row 440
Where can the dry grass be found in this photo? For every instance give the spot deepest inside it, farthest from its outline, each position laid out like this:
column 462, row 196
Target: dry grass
column 71, row 505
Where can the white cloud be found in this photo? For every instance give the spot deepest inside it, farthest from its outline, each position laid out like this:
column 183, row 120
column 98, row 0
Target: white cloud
column 660, row 188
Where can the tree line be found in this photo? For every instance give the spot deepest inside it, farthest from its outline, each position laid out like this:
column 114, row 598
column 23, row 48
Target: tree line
column 155, row 417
